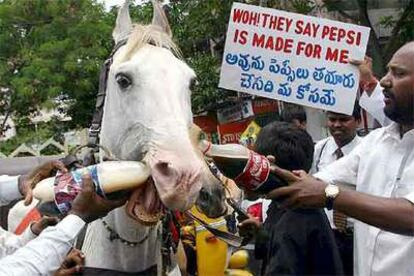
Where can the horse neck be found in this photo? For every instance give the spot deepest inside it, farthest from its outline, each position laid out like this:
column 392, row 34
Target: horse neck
column 125, row 226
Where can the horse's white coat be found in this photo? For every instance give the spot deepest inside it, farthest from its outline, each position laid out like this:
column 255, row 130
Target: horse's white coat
column 149, row 119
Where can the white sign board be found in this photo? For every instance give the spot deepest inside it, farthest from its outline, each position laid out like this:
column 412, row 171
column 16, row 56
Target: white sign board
column 293, row 57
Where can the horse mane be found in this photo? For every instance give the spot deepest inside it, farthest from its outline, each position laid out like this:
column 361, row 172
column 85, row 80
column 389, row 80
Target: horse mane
column 142, row 35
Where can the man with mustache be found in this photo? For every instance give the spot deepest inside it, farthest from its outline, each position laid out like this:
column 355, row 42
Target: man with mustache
column 382, row 168
column 343, row 139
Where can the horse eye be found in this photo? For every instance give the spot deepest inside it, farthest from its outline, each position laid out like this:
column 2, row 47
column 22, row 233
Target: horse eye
column 123, row 81
column 193, row 84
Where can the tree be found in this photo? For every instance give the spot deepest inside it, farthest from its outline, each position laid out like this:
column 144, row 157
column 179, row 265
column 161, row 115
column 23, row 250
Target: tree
column 403, row 28
column 52, row 49
column 200, row 28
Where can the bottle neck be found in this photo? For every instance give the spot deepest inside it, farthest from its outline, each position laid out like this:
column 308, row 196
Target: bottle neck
column 205, row 147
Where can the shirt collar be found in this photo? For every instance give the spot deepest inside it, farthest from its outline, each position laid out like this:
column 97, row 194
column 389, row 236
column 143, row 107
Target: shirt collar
column 394, row 131
column 332, row 146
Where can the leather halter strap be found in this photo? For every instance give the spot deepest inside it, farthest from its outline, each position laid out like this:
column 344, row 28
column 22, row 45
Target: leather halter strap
column 96, row 124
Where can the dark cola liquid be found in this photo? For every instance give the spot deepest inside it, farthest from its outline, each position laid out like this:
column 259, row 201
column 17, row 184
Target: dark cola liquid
column 230, row 167
column 272, row 182
column 233, row 167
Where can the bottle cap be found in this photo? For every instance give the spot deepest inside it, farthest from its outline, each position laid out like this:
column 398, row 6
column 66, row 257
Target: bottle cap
column 255, row 173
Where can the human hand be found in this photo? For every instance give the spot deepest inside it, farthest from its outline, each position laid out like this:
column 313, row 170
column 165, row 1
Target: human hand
column 249, row 227
column 366, row 75
column 42, row 224
column 73, row 263
column 304, row 191
column 89, row 206
column 27, row 182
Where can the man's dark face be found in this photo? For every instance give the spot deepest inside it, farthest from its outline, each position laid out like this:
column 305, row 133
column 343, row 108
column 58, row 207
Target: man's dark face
column 398, row 86
column 342, row 127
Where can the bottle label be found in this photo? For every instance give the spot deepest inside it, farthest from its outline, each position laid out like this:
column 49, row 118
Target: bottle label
column 68, row 185
column 255, row 173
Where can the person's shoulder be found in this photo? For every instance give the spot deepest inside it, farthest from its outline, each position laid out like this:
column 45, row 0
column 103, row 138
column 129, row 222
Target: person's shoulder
column 392, row 128
column 322, row 142
column 299, row 224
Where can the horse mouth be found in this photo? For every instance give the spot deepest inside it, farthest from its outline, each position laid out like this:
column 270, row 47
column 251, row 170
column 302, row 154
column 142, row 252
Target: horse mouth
column 145, row 205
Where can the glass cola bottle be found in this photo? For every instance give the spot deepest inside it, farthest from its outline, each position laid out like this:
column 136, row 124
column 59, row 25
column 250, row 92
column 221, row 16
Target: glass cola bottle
column 248, row 169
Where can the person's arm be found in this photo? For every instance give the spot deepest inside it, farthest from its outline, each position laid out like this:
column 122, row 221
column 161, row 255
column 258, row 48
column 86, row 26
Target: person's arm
column 10, row 242
column 391, row 214
column 15, row 187
column 374, row 104
column 9, row 189
column 45, row 253
column 372, row 99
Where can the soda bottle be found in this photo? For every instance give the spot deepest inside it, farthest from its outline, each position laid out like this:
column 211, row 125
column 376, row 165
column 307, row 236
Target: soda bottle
column 250, row 170
column 107, row 177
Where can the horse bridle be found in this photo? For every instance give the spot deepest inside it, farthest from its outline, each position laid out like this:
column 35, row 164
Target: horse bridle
column 96, row 124
column 95, row 129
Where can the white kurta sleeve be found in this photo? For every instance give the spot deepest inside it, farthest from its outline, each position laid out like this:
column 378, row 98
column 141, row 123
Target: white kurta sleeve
column 44, row 254
column 344, row 170
column 9, row 189
column 374, row 105
column 10, row 242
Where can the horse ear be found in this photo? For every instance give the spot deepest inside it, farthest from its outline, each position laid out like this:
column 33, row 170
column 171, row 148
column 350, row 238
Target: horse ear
column 159, row 18
column 123, row 23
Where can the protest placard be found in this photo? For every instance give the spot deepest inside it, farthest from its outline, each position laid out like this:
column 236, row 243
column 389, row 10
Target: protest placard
column 293, row 57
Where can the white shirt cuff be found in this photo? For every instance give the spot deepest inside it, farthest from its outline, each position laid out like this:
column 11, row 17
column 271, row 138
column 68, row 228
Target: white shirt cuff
column 9, row 189
column 71, row 225
column 27, row 235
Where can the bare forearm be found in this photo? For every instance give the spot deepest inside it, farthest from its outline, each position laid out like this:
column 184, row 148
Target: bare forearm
column 391, row 214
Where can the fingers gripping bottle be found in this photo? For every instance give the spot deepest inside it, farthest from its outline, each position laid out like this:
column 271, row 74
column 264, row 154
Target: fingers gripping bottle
column 250, row 170
column 107, row 177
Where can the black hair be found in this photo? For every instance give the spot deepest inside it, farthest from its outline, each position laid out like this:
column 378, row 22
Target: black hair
column 356, row 113
column 292, row 147
column 292, row 112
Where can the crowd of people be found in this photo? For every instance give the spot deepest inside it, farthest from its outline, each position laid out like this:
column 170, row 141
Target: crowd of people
column 368, row 193
column 348, row 208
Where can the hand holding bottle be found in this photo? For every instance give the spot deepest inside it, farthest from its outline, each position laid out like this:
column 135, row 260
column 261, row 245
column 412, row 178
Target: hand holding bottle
column 29, row 181
column 250, row 170
column 89, row 206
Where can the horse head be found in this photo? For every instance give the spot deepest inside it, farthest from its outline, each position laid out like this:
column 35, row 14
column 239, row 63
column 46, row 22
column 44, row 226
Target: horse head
column 147, row 115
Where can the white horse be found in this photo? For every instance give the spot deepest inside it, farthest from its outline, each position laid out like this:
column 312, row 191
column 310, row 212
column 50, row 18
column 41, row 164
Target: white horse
column 147, row 116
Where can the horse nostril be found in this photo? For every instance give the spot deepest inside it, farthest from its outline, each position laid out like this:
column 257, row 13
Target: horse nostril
column 164, row 167
column 204, row 195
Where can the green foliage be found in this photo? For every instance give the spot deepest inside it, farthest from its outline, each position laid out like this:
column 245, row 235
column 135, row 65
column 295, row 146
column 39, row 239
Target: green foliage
column 55, row 48
column 387, row 21
column 403, row 25
column 52, row 48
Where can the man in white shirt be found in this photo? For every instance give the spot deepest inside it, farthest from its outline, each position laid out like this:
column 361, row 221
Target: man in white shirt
column 382, row 168
column 342, row 141
column 44, row 254
column 14, row 187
